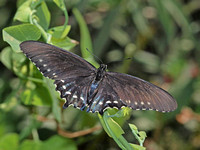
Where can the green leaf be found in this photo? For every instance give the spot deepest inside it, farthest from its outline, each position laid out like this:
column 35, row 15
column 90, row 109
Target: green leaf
column 43, row 15
column 165, row 19
column 116, row 129
column 103, row 36
column 6, row 57
column 60, row 4
column 104, row 125
column 9, row 142
column 39, row 96
column 42, row 96
column 137, row 147
column 58, row 142
column 55, row 103
column 11, row 59
column 23, row 12
column 60, row 31
column 142, row 134
column 65, row 43
column 14, row 35
column 30, row 145
column 27, row 96
column 133, row 128
column 85, row 39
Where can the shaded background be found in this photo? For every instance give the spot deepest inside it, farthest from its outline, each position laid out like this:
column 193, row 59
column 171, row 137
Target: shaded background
column 162, row 37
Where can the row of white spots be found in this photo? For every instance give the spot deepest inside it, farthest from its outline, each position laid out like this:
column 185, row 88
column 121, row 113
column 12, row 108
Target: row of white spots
column 48, row 70
column 136, row 103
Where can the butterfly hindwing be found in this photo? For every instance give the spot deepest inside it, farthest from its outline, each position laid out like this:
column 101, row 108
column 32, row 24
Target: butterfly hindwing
column 74, row 90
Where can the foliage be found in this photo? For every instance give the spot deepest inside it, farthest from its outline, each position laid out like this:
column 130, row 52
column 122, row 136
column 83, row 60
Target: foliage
column 161, row 37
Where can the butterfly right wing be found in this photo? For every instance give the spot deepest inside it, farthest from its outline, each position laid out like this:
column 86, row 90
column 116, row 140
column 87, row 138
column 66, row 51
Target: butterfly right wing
column 72, row 74
column 56, row 63
column 75, row 90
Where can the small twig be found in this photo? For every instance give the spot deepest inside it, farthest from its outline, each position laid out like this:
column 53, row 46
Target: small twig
column 69, row 134
column 78, row 133
column 43, row 119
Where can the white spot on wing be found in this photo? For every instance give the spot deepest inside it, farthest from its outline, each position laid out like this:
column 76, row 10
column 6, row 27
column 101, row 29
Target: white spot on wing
column 115, row 102
column 108, row 102
column 40, row 60
column 142, row 103
column 100, row 103
column 44, row 65
column 62, row 81
column 148, row 103
column 74, row 96
column 64, row 87
column 136, row 103
column 68, row 92
column 48, row 70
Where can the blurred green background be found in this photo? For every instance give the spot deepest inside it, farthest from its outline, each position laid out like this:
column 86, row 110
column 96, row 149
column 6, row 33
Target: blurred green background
column 162, row 37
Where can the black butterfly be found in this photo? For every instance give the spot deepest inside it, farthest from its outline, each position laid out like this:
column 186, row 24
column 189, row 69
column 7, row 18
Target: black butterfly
column 82, row 85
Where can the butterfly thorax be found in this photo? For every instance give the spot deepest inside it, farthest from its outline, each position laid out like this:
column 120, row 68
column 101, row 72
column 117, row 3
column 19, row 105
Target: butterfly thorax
column 95, row 83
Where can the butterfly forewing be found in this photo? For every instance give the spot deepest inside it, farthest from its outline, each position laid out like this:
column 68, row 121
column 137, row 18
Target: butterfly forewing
column 139, row 94
column 55, row 62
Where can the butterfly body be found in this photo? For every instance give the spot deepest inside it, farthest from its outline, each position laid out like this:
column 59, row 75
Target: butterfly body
column 84, row 86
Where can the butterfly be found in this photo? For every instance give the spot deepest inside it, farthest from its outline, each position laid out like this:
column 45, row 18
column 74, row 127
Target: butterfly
column 95, row 89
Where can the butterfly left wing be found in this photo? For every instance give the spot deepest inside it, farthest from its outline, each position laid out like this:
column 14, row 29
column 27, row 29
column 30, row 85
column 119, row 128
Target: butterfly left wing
column 118, row 90
column 56, row 63
column 140, row 94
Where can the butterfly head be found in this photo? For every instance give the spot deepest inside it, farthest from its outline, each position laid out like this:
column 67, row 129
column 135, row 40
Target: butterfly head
column 103, row 67
column 100, row 72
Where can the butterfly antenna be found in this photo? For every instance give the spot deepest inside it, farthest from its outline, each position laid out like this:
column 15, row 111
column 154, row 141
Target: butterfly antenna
column 94, row 55
column 118, row 61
